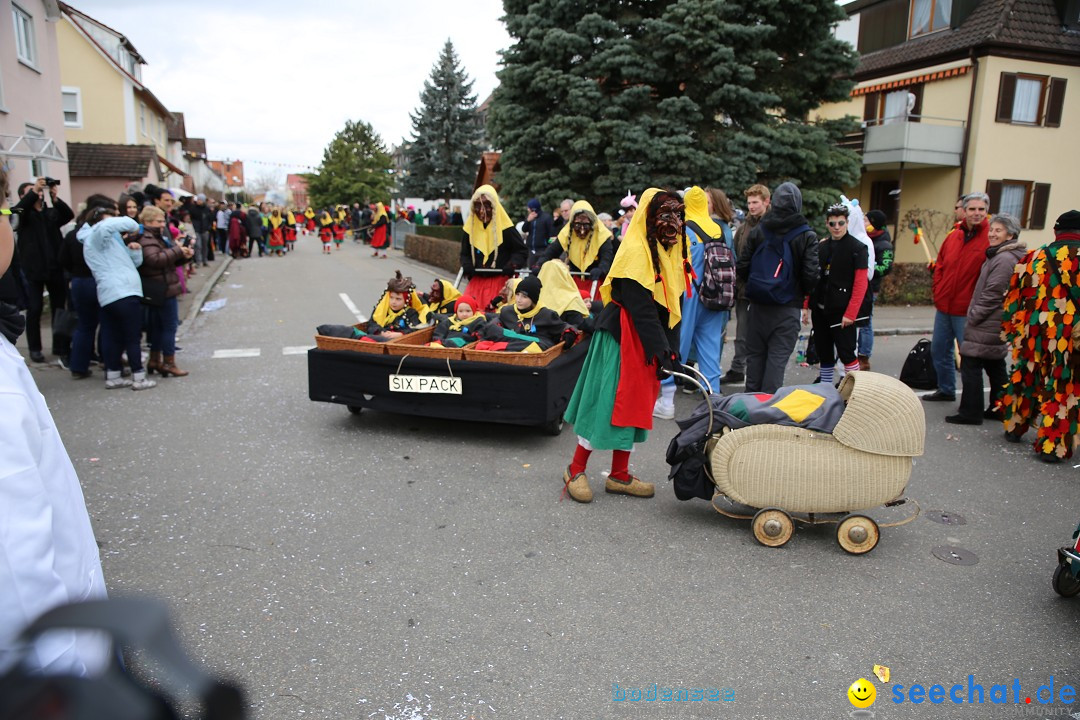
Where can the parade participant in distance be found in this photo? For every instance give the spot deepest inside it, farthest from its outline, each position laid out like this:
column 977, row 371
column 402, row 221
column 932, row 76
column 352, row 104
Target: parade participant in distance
column 983, row 347
column 837, row 299
column 588, row 247
column 1041, row 310
column 636, row 333
column 380, row 223
column 276, row 241
column 490, row 245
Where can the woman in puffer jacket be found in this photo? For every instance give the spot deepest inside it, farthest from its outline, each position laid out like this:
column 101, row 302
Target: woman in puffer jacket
column 983, row 349
column 161, row 256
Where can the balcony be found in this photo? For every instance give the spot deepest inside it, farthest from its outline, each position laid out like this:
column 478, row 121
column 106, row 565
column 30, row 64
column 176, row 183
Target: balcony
column 917, row 141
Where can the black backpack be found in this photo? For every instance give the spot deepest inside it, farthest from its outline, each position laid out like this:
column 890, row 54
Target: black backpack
column 772, row 278
column 918, row 371
column 716, row 291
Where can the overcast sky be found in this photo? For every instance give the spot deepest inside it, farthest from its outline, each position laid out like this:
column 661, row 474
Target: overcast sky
column 274, row 81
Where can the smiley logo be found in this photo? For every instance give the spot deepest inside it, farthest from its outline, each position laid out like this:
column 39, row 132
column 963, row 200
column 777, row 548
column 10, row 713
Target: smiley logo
column 861, row 693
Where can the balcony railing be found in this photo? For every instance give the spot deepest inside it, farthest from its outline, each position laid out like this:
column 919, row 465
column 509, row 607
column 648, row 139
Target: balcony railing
column 915, row 141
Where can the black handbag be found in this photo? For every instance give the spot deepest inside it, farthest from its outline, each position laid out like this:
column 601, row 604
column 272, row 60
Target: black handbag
column 154, row 291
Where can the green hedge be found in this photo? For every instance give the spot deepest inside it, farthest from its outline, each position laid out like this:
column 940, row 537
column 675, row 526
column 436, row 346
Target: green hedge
column 907, row 284
column 434, row 251
column 447, row 232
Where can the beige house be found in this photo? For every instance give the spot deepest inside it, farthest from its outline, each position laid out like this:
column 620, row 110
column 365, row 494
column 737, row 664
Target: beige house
column 963, row 95
column 31, row 121
column 104, row 99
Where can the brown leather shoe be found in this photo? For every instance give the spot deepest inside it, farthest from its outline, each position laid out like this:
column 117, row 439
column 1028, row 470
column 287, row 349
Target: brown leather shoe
column 634, row 486
column 864, row 362
column 577, row 486
column 153, row 364
column 168, row 367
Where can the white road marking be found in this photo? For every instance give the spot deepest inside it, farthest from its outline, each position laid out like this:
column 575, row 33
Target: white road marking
column 237, row 353
column 360, row 317
column 296, row 349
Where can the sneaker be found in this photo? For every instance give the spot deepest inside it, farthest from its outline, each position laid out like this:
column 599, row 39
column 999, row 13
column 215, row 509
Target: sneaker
column 633, row 486
column 119, row 382
column 578, row 486
column 733, row 377
column 144, row 383
column 689, row 389
column 62, row 361
column 963, row 420
column 662, row 410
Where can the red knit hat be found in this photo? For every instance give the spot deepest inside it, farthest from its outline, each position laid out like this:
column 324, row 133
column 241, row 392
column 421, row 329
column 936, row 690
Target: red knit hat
column 468, row 300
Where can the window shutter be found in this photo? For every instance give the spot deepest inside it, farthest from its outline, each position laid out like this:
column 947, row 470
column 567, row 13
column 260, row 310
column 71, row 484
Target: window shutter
column 1006, row 95
column 1039, row 203
column 993, row 189
column 1056, row 102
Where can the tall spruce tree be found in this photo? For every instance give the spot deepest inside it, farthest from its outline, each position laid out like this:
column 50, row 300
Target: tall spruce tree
column 355, row 168
column 598, row 97
column 445, row 148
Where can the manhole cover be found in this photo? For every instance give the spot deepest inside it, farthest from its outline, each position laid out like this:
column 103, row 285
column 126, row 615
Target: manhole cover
column 945, row 517
column 955, row 555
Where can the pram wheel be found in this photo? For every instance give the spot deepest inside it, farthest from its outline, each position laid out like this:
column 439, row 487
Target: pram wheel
column 857, row 534
column 355, row 409
column 772, row 527
column 553, row 427
column 1065, row 584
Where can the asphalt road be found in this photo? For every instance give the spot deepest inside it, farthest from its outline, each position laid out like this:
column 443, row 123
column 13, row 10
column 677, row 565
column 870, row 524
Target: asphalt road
column 384, row 566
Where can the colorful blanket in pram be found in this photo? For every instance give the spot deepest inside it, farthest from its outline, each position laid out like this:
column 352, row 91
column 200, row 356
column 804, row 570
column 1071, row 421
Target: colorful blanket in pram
column 815, row 407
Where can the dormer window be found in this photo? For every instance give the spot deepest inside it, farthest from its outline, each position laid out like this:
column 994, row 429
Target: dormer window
column 929, row 16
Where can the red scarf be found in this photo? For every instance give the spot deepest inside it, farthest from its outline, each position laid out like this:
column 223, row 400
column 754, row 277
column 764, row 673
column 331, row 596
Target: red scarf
column 638, row 386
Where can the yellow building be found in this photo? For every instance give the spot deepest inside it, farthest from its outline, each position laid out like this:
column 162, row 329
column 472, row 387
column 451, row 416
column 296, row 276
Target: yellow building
column 957, row 96
column 105, row 101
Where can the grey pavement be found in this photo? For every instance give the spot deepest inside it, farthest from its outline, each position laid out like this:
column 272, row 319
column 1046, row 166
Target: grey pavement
column 401, row 567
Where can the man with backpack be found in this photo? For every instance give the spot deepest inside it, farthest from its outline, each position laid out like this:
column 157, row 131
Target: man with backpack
column 707, row 303
column 780, row 268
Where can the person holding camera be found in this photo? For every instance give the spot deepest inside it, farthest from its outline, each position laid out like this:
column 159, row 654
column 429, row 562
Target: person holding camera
column 161, row 287
column 39, row 256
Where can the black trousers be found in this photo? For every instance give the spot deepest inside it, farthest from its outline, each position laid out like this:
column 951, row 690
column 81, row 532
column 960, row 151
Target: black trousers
column 57, row 287
column 833, row 342
column 971, row 372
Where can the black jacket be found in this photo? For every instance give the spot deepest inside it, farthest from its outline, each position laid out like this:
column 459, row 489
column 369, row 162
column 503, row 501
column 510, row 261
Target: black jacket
column 71, row 256
column 840, row 260
column 539, row 231
column 650, row 319
column 883, row 259
column 39, row 237
column 201, row 217
column 508, row 257
column 783, row 216
column 602, row 263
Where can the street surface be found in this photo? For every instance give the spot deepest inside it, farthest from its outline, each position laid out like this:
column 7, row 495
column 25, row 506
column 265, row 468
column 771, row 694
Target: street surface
column 384, row 566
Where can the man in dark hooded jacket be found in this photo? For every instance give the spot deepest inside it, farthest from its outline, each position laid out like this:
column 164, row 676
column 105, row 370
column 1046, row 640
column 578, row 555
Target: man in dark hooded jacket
column 774, row 328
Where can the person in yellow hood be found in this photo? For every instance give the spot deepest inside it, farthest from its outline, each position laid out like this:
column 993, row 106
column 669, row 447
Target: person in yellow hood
column 490, row 246
column 588, row 246
column 634, row 343
column 380, row 223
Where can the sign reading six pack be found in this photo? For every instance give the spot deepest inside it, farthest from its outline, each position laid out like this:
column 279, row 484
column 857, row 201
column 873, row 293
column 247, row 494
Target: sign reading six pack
column 425, row 384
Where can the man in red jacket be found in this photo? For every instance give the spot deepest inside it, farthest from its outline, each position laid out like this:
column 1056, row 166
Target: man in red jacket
column 955, row 273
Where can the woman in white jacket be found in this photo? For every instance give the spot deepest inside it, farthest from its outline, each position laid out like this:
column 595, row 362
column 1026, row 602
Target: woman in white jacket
column 48, row 555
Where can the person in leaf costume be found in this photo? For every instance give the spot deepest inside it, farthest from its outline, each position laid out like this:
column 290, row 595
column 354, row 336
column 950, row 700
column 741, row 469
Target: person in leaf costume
column 1041, row 327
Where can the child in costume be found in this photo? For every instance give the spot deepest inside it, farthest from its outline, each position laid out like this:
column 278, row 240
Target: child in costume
column 339, row 234
column 277, row 226
column 309, row 221
column 525, row 325
column 291, row 225
column 326, row 231
column 490, row 246
column 636, row 333
column 463, row 327
column 560, row 293
column 398, row 311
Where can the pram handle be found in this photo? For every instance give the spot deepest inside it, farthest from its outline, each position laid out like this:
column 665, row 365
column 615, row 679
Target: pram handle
column 704, row 386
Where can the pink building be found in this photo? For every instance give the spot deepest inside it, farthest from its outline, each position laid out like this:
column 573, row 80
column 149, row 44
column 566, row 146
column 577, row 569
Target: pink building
column 31, row 112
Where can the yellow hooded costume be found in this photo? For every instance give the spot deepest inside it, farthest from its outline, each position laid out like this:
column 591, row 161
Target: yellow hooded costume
column 697, row 210
column 558, row 290
column 634, row 262
column 487, row 239
column 583, row 253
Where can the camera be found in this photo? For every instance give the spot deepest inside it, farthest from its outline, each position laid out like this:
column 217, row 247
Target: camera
column 51, row 182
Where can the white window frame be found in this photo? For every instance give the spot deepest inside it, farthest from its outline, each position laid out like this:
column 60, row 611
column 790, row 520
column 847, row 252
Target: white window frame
column 933, row 14
column 25, row 40
column 142, row 118
column 78, row 122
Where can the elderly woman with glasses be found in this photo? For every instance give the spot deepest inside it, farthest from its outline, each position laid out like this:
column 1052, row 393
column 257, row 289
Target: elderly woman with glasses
column 837, row 299
column 983, row 349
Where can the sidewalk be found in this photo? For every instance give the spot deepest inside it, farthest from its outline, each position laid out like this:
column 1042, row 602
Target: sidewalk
column 903, row 319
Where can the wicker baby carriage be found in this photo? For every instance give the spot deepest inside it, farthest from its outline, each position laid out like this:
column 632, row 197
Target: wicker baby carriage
column 792, row 473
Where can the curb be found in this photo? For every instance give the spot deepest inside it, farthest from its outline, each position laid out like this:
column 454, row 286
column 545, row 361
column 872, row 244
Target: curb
column 904, row 331
column 204, row 292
